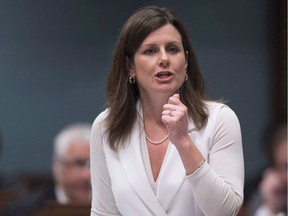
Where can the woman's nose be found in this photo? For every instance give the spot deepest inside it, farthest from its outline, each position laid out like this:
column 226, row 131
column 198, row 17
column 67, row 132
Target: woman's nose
column 163, row 59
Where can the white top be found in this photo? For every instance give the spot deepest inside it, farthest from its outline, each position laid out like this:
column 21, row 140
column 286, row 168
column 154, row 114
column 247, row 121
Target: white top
column 122, row 182
column 61, row 196
column 264, row 211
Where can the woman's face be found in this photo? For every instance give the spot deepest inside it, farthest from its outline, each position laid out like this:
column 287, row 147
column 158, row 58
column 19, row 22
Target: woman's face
column 160, row 63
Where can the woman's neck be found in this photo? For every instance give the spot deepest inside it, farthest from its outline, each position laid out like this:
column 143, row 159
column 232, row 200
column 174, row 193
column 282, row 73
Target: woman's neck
column 152, row 108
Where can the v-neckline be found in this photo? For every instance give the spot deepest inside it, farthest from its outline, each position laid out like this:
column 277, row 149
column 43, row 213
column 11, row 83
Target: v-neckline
column 148, row 166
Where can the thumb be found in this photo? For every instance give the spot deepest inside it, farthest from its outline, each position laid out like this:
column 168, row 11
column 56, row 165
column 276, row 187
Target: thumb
column 176, row 96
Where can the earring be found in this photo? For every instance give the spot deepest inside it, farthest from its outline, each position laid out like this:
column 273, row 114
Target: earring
column 186, row 77
column 132, row 80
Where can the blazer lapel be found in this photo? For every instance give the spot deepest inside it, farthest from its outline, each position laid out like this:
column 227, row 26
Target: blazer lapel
column 171, row 178
column 172, row 174
column 132, row 163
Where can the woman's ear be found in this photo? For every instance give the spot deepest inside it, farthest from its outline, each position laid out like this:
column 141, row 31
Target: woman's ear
column 130, row 66
column 186, row 59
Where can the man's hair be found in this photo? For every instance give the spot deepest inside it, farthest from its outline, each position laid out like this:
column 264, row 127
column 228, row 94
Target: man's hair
column 75, row 132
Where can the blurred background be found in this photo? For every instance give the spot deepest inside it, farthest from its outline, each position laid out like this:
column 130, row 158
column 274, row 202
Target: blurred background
column 55, row 56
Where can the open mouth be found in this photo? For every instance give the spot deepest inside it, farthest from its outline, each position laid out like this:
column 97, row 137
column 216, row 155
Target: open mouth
column 163, row 75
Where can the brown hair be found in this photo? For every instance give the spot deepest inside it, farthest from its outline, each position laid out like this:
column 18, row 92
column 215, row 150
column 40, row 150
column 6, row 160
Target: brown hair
column 122, row 96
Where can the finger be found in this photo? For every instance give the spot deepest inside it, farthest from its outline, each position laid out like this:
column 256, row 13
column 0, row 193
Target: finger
column 169, row 113
column 167, row 120
column 170, row 107
column 176, row 96
column 175, row 99
column 166, row 112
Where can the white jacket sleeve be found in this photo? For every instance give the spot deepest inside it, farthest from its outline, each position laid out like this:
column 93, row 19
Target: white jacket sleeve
column 218, row 185
column 103, row 203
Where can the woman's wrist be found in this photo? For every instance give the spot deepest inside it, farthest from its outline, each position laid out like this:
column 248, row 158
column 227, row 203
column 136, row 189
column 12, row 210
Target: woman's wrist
column 191, row 157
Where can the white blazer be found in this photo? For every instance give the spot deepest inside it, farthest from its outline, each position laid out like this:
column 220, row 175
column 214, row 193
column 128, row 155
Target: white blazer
column 120, row 184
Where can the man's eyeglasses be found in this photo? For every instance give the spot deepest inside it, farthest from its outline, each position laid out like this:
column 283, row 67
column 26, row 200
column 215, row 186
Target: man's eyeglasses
column 78, row 163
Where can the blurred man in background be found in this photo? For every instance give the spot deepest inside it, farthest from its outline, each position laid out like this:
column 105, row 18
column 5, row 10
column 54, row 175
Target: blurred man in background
column 271, row 197
column 70, row 165
column 70, row 172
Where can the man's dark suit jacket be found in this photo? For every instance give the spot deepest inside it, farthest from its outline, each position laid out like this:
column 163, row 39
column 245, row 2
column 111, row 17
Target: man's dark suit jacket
column 29, row 203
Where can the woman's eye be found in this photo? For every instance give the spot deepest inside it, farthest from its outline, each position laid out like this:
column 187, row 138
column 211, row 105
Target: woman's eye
column 172, row 49
column 150, row 51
